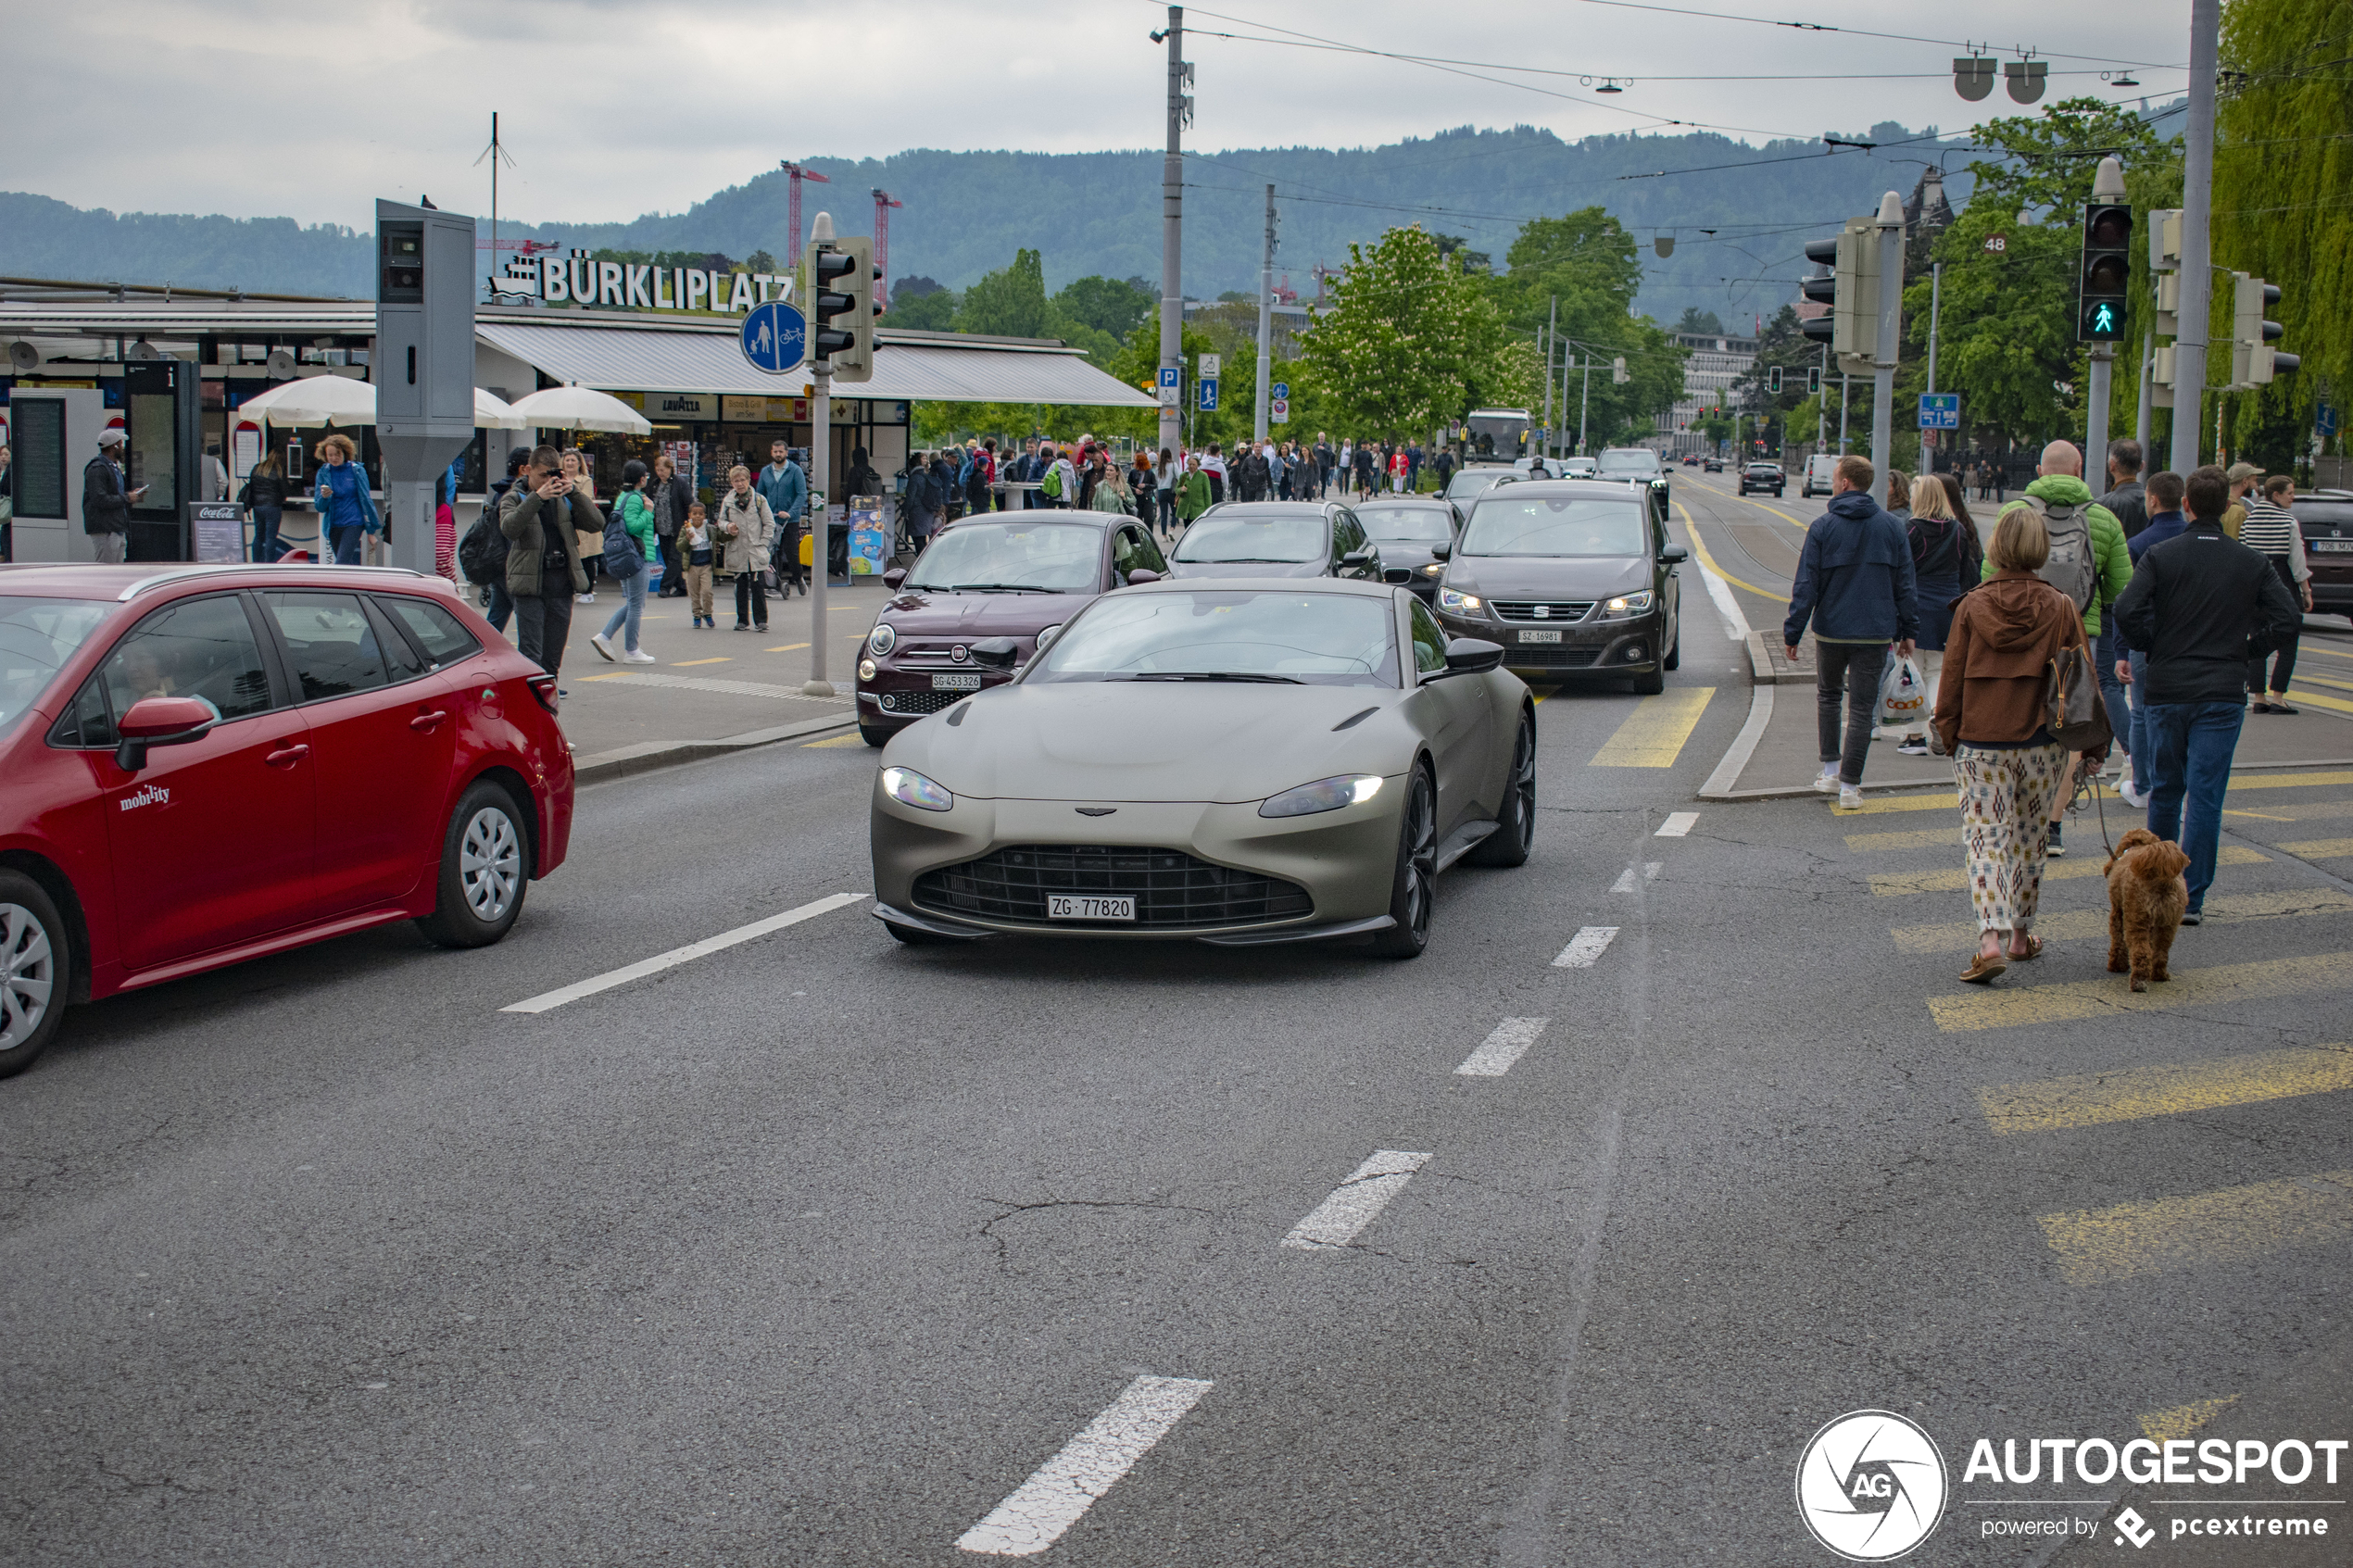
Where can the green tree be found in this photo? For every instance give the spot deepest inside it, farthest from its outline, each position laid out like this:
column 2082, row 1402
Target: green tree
column 1010, row 302
column 1409, row 341
column 933, row 312
column 1104, row 303
column 1697, row 321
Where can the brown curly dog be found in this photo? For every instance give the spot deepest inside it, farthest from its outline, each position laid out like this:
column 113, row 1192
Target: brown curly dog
column 2145, row 897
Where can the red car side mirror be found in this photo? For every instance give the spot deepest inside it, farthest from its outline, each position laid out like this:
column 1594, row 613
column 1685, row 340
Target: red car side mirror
column 160, row 720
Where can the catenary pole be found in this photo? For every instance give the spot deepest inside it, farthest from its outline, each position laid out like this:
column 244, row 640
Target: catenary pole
column 1584, row 402
column 1890, row 305
column 1265, row 322
column 1552, row 344
column 2197, row 202
column 1172, row 237
column 821, row 454
column 2141, row 419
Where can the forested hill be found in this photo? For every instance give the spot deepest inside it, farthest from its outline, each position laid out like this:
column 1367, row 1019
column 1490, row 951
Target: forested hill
column 1099, row 213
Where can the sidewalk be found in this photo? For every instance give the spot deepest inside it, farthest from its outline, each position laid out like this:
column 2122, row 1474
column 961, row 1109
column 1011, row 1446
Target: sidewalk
column 1777, row 753
column 713, row 691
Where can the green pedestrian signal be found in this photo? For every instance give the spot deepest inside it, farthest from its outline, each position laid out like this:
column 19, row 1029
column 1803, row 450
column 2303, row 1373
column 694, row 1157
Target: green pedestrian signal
column 2107, row 238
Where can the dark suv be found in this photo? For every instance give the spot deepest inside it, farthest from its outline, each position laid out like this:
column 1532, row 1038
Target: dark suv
column 2327, row 518
column 1640, row 465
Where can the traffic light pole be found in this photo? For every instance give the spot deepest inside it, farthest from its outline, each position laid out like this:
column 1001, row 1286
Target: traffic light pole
column 2198, row 201
column 1552, row 343
column 2141, row 423
column 1265, row 322
column 1172, row 241
column 821, row 463
column 2107, row 185
column 1891, row 306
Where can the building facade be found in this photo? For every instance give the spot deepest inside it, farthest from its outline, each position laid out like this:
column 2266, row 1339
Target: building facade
column 1717, row 360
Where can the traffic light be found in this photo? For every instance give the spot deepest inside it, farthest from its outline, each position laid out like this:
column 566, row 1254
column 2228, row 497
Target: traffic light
column 1617, row 372
column 1820, row 286
column 2106, row 267
column 2253, row 360
column 1773, row 380
column 1851, row 290
column 841, row 305
column 1813, row 380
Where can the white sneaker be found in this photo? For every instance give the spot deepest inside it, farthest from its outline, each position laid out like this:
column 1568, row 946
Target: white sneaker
column 586, row 599
column 1829, row 780
column 602, row 647
column 1850, row 797
column 2132, row 797
column 639, row 656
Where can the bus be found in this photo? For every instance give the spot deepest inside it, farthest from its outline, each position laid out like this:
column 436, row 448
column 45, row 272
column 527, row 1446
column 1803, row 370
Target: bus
column 1497, row 435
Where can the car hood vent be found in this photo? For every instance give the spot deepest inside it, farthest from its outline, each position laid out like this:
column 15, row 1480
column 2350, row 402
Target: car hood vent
column 1354, row 720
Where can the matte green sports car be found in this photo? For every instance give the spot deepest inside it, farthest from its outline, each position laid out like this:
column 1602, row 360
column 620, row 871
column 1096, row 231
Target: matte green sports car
column 1238, row 762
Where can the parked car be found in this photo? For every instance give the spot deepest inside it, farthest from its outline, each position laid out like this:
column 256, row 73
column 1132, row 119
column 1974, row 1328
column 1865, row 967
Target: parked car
column 1820, row 469
column 994, row 574
column 1570, row 576
column 1414, row 534
column 2325, row 518
column 1277, row 539
column 1763, row 476
column 212, row 764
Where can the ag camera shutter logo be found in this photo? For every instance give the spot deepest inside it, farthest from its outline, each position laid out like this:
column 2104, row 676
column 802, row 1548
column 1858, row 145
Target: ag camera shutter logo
column 1871, row 1485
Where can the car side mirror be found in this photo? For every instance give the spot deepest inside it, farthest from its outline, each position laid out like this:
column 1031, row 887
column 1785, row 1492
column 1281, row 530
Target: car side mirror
column 1441, row 552
column 997, row 653
column 1673, row 554
column 1358, row 557
column 894, row 577
column 1142, row 575
column 160, row 720
column 1473, row 656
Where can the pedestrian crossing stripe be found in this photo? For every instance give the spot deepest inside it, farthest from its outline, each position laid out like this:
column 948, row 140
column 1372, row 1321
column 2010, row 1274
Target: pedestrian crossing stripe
column 2232, row 1225
column 2172, row 1425
column 2324, row 680
column 2299, row 812
column 1944, row 800
column 2326, row 652
column 2333, row 703
column 2319, row 849
column 2076, row 925
column 1950, row 878
column 2223, row 986
column 1652, row 736
column 2133, row 1094
column 1924, row 838
column 1951, row 800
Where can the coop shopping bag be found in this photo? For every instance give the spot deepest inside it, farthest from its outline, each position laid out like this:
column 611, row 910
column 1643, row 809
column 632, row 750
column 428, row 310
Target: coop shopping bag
column 1903, row 697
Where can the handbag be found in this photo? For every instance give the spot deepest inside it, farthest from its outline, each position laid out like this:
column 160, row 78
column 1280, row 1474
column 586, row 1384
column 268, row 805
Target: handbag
column 1903, row 699
column 2072, row 709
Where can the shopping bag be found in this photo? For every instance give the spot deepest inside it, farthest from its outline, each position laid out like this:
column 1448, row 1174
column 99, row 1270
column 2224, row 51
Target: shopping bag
column 1903, row 696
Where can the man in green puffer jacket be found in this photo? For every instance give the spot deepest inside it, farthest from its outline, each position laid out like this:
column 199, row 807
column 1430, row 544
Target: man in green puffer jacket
column 2089, row 562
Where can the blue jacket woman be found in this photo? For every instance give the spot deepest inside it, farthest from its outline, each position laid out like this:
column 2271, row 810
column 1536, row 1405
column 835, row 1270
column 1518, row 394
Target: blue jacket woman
column 346, row 509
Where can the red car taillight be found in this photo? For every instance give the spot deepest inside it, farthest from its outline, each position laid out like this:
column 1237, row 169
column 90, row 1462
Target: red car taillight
column 543, row 688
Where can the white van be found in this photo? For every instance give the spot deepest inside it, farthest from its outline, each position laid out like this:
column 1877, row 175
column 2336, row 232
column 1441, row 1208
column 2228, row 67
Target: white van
column 1819, row 470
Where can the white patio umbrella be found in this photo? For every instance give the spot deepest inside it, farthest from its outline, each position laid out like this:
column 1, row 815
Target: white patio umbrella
column 494, row 413
column 314, row 401
column 578, row 407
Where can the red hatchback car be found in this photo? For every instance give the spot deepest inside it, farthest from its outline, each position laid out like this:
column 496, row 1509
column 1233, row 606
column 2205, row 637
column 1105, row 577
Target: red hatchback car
column 208, row 764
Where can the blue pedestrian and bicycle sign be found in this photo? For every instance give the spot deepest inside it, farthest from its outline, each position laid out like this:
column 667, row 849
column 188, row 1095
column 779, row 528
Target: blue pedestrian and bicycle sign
column 1940, row 410
column 775, row 338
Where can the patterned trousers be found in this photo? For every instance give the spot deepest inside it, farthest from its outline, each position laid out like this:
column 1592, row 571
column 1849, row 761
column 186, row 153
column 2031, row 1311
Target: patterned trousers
column 2005, row 801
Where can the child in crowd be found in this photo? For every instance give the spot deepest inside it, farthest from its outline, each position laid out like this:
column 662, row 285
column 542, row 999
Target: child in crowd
column 694, row 549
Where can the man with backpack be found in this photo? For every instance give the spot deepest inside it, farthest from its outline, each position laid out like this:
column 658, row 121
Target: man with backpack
column 481, row 555
column 2089, row 563
column 1057, row 482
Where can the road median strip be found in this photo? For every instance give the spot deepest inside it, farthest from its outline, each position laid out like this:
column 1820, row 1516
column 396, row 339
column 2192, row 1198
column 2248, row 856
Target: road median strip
column 547, row 1000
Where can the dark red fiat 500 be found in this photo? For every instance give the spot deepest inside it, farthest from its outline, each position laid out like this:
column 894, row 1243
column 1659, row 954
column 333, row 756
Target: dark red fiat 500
column 211, row 764
column 1001, row 574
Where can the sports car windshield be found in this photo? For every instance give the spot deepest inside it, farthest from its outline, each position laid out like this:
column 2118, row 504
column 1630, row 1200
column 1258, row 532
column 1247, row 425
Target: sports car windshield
column 1253, row 537
column 37, row 636
column 1410, row 525
column 1283, row 638
column 1057, row 557
column 1629, row 465
column 1527, row 525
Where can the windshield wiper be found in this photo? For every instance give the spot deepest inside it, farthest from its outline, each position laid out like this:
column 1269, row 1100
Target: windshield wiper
column 1244, row 561
column 993, row 587
column 1213, row 675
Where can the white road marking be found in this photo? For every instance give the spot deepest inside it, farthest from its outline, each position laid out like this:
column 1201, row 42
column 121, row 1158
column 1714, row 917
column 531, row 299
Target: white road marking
column 1357, row 1202
column 1726, row 608
column 1587, row 946
column 1506, row 1045
column 1061, row 1491
column 687, row 954
column 1677, row 825
column 1625, row 882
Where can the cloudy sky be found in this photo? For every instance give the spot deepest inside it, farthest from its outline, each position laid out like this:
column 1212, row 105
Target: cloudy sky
column 616, row 107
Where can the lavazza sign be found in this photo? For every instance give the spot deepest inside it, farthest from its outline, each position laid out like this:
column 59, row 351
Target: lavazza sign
column 627, row 286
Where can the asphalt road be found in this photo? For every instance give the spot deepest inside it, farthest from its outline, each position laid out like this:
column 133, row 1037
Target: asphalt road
column 817, row 1249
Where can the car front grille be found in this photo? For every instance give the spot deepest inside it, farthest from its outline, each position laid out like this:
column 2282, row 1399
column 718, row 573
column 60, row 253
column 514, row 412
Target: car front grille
column 932, row 655
column 920, row 702
column 1554, row 610
column 1173, row 890
column 1549, row 658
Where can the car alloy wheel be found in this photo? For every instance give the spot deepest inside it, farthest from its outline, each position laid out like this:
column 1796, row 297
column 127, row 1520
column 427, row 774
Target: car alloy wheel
column 490, row 862
column 1416, row 881
column 1515, row 828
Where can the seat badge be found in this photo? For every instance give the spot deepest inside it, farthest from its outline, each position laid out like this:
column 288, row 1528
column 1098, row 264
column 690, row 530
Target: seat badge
column 1544, row 612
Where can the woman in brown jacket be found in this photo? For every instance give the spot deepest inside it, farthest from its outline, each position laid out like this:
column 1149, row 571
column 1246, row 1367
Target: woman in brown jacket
column 1990, row 716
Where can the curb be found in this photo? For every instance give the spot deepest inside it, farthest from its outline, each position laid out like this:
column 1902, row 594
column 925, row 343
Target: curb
column 1763, row 670
column 647, row 756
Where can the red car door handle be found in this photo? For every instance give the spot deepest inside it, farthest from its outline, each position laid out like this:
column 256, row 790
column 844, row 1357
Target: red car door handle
column 287, row 757
column 425, row 722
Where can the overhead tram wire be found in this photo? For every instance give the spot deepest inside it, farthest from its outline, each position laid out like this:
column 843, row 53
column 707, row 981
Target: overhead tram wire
column 1850, row 32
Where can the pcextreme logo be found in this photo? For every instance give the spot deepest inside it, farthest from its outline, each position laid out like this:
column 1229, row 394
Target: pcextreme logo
column 1871, row 1485
column 154, row 795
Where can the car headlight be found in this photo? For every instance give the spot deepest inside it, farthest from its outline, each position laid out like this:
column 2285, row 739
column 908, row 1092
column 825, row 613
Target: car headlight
column 1450, row 599
column 1047, row 635
column 1324, row 795
column 911, row 788
column 865, row 669
column 1628, row 604
column 1435, row 569
column 882, row 639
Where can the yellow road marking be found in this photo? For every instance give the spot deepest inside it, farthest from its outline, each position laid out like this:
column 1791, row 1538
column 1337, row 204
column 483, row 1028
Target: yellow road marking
column 2170, row 1425
column 2071, row 925
column 1949, row 879
column 2289, row 779
column 2324, row 680
column 2221, row 986
column 1699, row 548
column 1653, row 734
column 2090, row 1099
column 2306, row 695
column 2319, row 849
column 786, row 648
column 852, row 739
column 2303, row 812
column 1542, row 693
column 2265, row 815
column 690, row 663
column 1946, row 800
column 2096, row 1246
column 1865, row 843
column 2333, row 653
column 616, row 675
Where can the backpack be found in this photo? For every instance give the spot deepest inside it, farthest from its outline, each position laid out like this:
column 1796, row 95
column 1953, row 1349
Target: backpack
column 622, row 558
column 1051, row 485
column 481, row 555
column 2073, row 569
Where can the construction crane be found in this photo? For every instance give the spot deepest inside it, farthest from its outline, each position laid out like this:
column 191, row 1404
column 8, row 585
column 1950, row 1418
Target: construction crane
column 883, row 202
column 800, row 172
